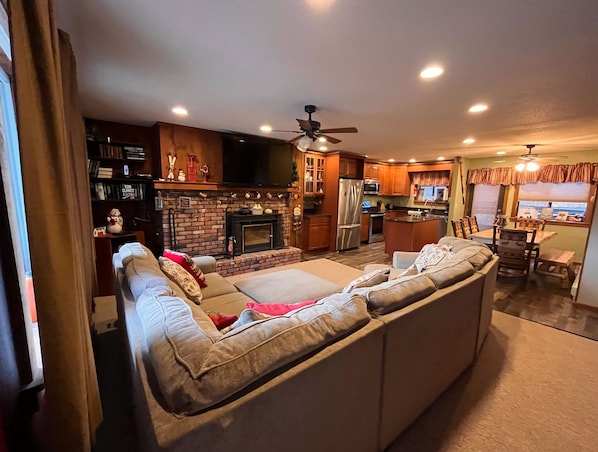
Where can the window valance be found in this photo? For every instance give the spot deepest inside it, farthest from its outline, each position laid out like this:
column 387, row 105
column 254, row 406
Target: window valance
column 578, row 172
column 431, row 178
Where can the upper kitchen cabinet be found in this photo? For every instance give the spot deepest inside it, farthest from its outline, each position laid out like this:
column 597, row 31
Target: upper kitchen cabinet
column 371, row 171
column 315, row 166
column 385, row 178
column 350, row 167
column 401, row 184
column 195, row 150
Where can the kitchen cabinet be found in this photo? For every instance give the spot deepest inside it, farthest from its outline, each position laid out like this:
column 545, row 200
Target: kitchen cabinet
column 401, row 184
column 384, row 176
column 371, row 171
column 350, row 167
column 316, row 232
column 365, row 227
column 315, row 165
column 409, row 234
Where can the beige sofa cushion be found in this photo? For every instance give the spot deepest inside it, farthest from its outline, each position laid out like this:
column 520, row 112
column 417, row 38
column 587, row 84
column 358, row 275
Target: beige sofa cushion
column 369, row 279
column 478, row 256
column 448, row 273
column 286, row 286
column 396, row 294
column 141, row 269
column 196, row 366
column 217, row 286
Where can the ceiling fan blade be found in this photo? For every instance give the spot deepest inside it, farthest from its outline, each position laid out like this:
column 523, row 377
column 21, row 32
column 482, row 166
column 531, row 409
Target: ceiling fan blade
column 304, row 124
column 330, row 139
column 291, row 131
column 297, row 138
column 340, row 130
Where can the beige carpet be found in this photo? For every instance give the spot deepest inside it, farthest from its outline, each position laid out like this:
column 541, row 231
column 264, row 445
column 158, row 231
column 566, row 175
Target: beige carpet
column 533, row 388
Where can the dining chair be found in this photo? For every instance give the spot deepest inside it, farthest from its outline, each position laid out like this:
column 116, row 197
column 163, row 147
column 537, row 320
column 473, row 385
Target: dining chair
column 473, row 224
column 466, row 227
column 458, row 228
column 531, row 223
column 514, row 249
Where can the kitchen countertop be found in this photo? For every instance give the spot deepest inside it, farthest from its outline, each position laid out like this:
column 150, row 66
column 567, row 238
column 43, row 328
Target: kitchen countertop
column 410, row 219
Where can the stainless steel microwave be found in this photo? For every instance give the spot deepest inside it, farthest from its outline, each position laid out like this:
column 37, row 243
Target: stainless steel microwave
column 371, row 187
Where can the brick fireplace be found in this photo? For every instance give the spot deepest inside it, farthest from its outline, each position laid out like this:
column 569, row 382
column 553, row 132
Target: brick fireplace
column 253, row 233
column 201, row 227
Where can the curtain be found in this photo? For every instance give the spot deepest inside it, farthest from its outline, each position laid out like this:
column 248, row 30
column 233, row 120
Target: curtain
column 431, row 178
column 586, row 172
column 58, row 220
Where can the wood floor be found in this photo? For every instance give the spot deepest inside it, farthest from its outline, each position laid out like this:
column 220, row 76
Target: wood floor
column 542, row 300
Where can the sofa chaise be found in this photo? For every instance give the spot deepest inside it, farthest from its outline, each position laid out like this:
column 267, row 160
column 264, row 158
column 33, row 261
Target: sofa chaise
column 348, row 372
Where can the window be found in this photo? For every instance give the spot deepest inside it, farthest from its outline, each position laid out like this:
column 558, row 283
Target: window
column 560, row 202
column 486, row 202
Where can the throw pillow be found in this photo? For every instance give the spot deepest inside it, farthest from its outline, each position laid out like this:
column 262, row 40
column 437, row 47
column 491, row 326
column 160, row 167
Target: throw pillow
column 183, row 278
column 431, row 254
column 276, row 308
column 222, row 320
column 185, row 261
column 369, row 279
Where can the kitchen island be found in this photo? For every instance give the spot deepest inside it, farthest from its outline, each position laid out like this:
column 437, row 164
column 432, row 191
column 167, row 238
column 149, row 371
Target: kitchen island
column 409, row 233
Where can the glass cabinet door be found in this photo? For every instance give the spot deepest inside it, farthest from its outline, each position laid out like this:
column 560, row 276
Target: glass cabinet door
column 320, row 161
column 310, row 165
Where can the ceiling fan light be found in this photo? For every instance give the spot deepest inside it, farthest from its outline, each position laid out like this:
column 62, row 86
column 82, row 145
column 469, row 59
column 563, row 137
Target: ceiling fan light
column 532, row 166
column 520, row 166
column 304, row 143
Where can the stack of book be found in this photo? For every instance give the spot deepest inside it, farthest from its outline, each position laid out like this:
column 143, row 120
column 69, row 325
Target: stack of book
column 134, row 152
column 104, row 172
column 111, row 151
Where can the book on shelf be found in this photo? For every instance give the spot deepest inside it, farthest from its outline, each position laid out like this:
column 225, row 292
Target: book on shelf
column 102, row 191
column 134, row 152
column 104, row 172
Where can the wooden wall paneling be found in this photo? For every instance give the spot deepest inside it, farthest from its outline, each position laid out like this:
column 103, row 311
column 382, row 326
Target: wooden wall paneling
column 182, row 141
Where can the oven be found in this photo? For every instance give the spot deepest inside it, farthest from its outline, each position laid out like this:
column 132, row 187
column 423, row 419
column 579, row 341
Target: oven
column 376, row 227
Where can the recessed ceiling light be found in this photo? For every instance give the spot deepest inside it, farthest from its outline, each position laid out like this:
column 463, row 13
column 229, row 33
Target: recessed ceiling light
column 322, row 140
column 412, row 160
column 179, row 110
column 501, row 152
column 241, row 140
column 266, row 128
column 440, row 158
column 478, row 108
column 323, row 148
column 468, row 141
column 391, row 160
column 431, row 72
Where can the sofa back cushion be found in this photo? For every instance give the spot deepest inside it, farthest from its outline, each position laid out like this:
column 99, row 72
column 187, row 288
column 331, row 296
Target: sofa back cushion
column 448, row 273
column 477, row 256
column 396, row 294
column 196, row 366
column 142, row 269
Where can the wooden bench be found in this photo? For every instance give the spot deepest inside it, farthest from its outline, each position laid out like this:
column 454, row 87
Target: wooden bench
column 559, row 264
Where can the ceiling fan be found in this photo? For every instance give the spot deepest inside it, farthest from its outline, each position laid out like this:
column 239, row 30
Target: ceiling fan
column 530, row 160
column 310, row 131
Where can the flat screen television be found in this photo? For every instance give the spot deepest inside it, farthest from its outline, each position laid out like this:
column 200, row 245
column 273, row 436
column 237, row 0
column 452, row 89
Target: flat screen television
column 249, row 161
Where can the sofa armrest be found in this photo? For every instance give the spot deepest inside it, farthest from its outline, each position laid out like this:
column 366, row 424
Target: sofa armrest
column 206, row 263
column 403, row 259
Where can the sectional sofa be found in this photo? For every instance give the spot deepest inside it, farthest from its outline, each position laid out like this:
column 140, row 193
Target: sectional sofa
column 349, row 372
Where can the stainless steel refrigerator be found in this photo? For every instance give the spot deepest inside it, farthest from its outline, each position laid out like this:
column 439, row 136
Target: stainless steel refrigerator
column 350, row 196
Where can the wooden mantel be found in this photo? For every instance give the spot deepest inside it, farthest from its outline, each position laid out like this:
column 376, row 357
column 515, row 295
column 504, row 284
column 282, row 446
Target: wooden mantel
column 213, row 186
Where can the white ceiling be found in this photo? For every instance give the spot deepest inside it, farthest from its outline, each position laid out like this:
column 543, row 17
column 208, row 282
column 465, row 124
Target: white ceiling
column 237, row 64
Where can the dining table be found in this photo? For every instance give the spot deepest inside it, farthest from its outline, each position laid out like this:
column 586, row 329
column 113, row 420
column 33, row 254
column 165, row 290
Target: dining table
column 485, row 236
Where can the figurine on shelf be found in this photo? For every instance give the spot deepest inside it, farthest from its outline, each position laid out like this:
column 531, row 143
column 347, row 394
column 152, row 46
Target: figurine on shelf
column 181, row 177
column 171, row 162
column 115, row 222
column 205, row 172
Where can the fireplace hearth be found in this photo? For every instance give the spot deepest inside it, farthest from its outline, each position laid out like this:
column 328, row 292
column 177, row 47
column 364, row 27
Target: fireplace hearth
column 253, row 233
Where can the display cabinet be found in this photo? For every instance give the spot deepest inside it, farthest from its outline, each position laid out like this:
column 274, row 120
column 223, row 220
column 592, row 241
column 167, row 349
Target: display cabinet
column 315, row 166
